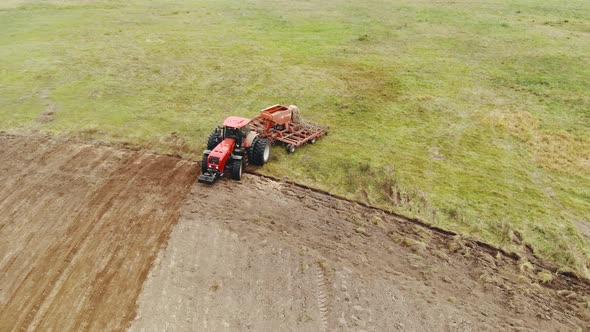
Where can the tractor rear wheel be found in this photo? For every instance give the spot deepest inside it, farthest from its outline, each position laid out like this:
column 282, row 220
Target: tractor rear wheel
column 236, row 170
column 214, row 139
column 260, row 152
column 204, row 163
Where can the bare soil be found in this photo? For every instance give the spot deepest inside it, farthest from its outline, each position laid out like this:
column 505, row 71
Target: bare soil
column 82, row 225
column 269, row 256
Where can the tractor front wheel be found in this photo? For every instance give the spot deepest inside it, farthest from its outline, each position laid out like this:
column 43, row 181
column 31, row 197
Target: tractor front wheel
column 214, row 139
column 236, row 170
column 260, row 152
column 204, row 163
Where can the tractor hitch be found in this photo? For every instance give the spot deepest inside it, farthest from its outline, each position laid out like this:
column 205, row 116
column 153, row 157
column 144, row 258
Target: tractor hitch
column 207, row 178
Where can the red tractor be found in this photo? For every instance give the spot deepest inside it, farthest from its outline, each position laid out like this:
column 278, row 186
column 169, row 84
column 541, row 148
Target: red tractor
column 242, row 141
column 232, row 147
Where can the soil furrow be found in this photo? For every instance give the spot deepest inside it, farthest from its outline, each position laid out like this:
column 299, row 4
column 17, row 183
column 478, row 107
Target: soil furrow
column 81, row 226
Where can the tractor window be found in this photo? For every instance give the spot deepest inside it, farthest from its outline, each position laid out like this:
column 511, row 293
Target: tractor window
column 237, row 133
column 232, row 133
column 245, row 130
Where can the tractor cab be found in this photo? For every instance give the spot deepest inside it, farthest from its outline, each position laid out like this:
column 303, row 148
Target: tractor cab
column 236, row 128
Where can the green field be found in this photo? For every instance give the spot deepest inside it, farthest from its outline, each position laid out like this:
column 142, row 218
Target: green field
column 473, row 116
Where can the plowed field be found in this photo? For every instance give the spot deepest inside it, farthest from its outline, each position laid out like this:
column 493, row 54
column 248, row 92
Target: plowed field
column 79, row 228
column 101, row 238
column 291, row 259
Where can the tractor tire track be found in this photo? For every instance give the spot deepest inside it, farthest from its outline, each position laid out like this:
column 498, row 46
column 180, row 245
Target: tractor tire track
column 322, row 295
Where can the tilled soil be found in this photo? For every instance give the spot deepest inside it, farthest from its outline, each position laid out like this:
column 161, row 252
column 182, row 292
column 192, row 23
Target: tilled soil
column 81, row 226
column 270, row 256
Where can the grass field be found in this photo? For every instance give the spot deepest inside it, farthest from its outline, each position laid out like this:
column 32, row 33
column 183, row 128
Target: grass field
column 474, row 116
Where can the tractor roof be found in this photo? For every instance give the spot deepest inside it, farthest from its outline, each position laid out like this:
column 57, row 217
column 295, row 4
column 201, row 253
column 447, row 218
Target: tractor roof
column 235, row 122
